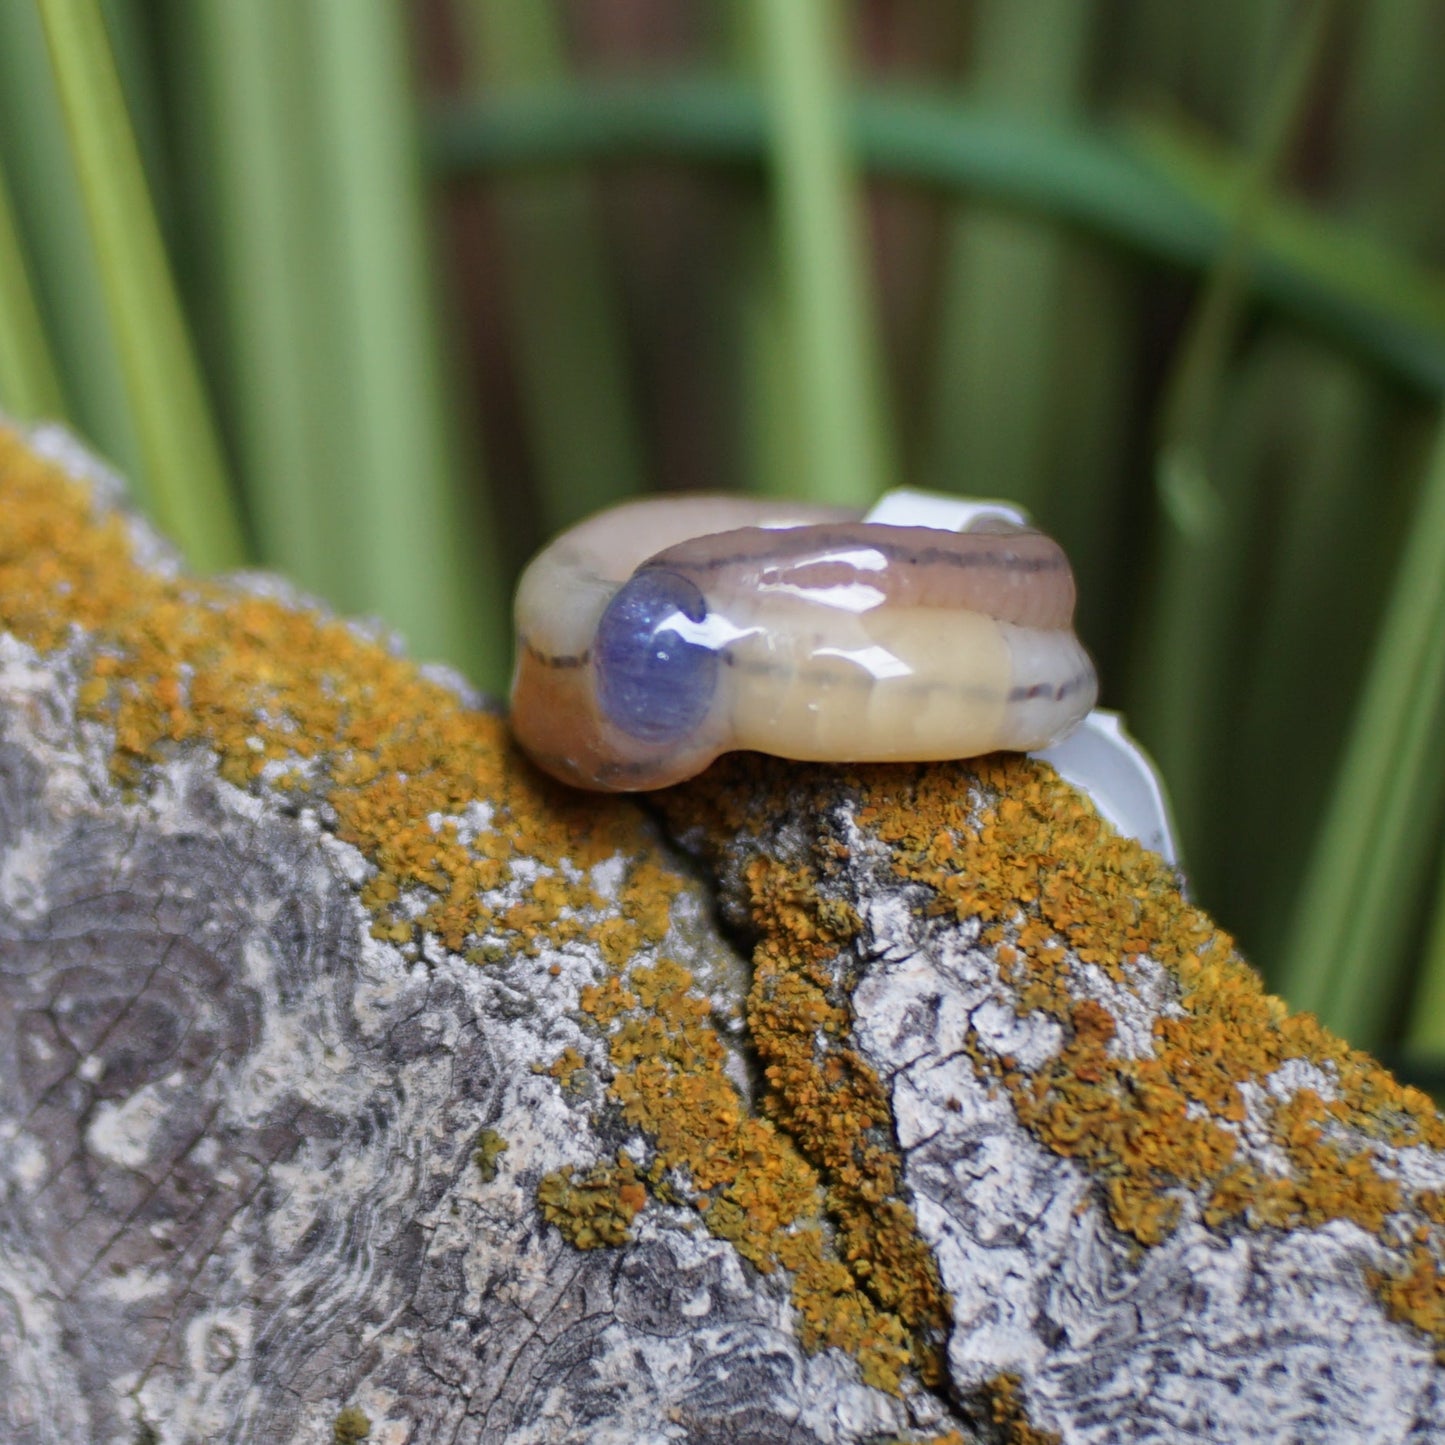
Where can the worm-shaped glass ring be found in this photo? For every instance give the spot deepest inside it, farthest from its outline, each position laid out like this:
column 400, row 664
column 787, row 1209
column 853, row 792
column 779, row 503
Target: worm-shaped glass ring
column 658, row 634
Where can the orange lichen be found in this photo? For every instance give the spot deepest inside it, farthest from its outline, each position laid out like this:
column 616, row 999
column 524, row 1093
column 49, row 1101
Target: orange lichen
column 1154, row 1125
column 825, row 1097
column 949, row 1437
column 569, row 1068
column 596, row 1208
column 338, row 719
column 289, row 700
column 1004, row 841
column 1007, row 1412
column 1413, row 1292
column 743, row 1174
column 831, row 1102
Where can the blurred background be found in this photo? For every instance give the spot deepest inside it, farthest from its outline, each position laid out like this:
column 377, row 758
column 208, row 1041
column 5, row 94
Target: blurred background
column 380, row 293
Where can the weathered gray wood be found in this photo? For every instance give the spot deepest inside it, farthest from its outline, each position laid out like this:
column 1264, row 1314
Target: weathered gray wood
column 237, row 1135
column 238, row 1192
column 1217, row 1333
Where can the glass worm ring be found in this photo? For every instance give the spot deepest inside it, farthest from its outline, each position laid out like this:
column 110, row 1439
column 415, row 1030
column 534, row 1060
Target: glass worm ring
column 658, row 634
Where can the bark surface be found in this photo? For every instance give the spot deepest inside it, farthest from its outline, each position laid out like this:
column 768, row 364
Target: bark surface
column 355, row 1079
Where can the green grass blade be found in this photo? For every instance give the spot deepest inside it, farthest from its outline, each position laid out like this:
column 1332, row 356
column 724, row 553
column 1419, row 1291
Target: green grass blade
column 132, row 28
column 825, row 278
column 580, row 410
column 255, row 85
column 1343, row 955
column 1191, row 395
column 1003, row 310
column 1142, row 195
column 423, row 567
column 182, row 456
column 1218, row 60
column 1313, row 428
column 1205, row 518
column 774, row 440
column 773, row 450
column 1336, row 276
column 1425, row 1036
column 51, row 218
column 29, row 387
column 1390, row 121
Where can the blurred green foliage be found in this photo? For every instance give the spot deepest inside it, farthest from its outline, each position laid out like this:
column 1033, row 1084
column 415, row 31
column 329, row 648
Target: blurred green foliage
column 381, row 293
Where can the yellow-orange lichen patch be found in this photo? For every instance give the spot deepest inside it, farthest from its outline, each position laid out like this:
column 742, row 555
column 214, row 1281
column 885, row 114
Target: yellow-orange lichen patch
column 1413, row 1292
column 594, row 1208
column 292, row 700
column 743, row 1174
column 1036, row 860
column 1007, row 1412
column 831, row 1101
column 177, row 660
column 569, row 1068
column 820, row 1091
column 1005, row 842
column 948, row 1437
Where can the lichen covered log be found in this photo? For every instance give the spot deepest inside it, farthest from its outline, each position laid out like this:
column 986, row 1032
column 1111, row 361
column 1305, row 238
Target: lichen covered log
column 357, row 1082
